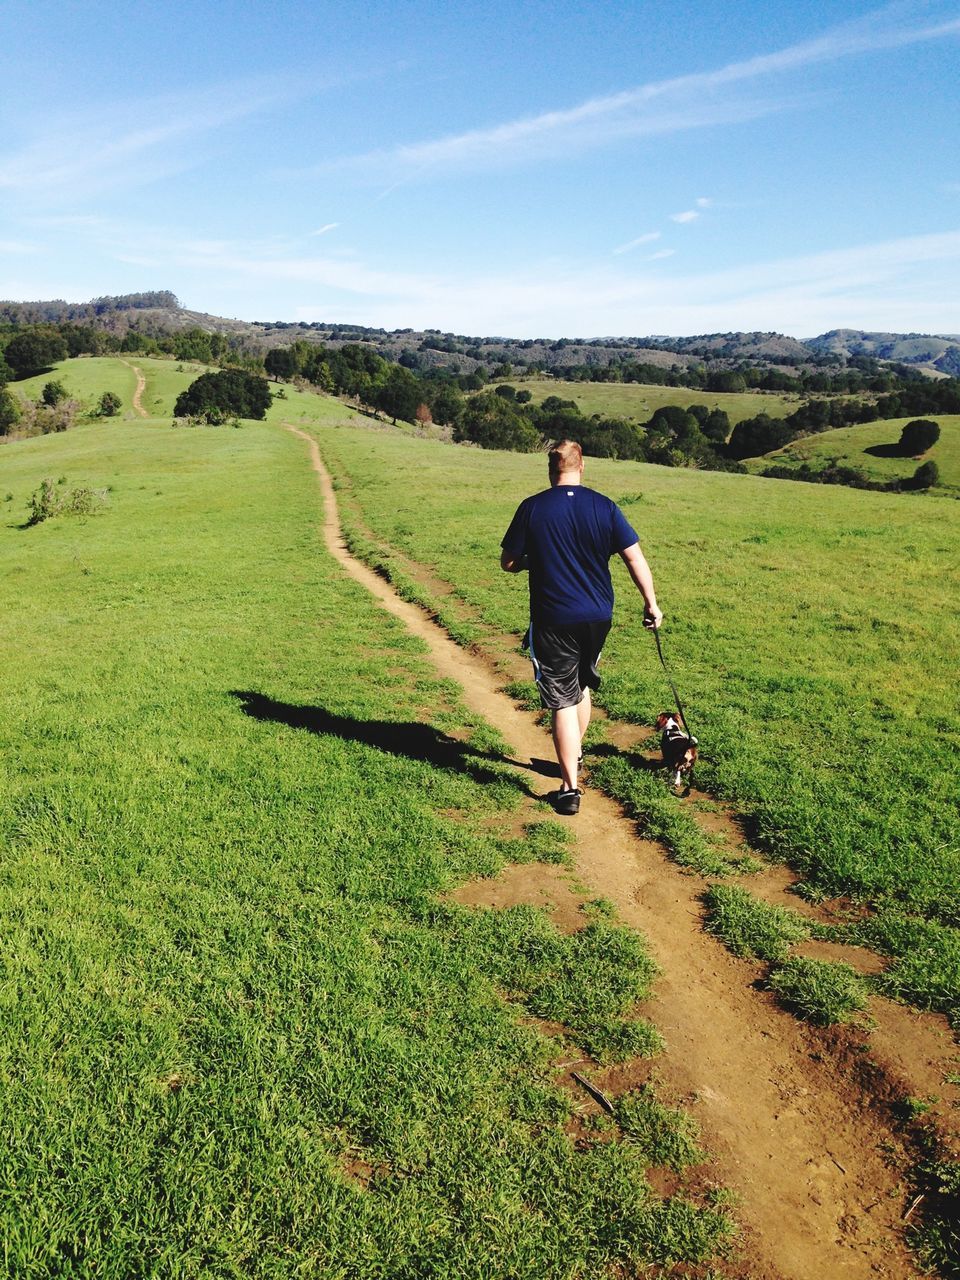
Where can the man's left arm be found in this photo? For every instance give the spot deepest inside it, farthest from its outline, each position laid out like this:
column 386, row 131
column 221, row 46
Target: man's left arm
column 510, row 562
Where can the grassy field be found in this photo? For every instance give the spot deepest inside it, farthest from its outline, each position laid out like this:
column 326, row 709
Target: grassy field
column 814, row 636
column 243, row 1031
column 85, row 380
column 851, row 447
column 637, row 401
column 88, row 377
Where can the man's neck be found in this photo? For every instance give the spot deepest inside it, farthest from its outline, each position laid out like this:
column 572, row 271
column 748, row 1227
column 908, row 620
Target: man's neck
column 567, row 478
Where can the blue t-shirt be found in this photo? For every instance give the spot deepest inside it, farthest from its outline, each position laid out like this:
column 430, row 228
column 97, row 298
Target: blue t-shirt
column 568, row 533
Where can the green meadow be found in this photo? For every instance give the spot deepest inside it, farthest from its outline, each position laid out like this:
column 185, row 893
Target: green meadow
column 245, row 1033
column 853, row 446
column 639, row 401
column 814, row 636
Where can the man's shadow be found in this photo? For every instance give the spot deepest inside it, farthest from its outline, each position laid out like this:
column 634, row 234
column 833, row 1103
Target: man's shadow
column 397, row 737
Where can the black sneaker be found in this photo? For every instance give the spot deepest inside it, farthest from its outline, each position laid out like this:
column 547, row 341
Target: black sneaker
column 567, row 802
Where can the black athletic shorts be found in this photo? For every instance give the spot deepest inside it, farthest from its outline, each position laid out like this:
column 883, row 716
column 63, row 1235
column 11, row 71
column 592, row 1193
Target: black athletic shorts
column 565, row 661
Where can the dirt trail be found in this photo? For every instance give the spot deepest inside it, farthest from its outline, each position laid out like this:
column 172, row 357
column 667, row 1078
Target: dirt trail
column 138, row 393
column 790, row 1129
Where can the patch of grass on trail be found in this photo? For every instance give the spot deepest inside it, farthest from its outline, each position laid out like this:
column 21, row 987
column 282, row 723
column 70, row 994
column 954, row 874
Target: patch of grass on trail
column 820, row 991
column 243, row 1033
column 851, row 446
column 640, row 401
column 812, row 632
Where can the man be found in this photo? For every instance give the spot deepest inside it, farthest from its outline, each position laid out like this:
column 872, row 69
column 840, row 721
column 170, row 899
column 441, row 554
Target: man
column 565, row 536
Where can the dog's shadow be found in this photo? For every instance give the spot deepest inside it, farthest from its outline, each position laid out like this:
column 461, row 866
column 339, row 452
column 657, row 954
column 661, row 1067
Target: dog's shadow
column 604, row 750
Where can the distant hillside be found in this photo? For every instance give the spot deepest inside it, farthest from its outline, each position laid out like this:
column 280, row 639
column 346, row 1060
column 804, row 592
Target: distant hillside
column 157, row 313
column 937, row 352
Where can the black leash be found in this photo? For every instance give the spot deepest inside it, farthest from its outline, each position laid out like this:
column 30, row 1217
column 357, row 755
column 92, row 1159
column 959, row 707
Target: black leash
column 666, row 672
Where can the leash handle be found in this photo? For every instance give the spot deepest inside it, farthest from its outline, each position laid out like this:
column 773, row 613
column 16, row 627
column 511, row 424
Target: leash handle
column 666, row 672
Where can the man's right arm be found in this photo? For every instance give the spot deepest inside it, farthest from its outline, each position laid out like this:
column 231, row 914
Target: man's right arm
column 639, row 571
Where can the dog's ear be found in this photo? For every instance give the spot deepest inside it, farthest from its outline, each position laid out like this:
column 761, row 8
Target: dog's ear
column 662, row 719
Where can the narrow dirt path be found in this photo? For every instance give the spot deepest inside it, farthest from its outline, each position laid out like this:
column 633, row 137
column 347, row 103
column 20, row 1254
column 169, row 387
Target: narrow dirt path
column 140, row 388
column 790, row 1132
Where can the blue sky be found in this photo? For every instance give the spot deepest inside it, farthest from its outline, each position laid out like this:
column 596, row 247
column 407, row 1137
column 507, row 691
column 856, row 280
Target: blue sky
column 551, row 169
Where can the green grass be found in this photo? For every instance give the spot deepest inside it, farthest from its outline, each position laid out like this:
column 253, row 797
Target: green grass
column 639, row 401
column 812, row 632
column 243, row 1032
column 753, row 929
column 848, row 446
column 820, row 991
column 85, row 379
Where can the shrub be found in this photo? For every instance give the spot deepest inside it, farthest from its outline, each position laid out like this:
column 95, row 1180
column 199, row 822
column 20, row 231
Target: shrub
column 925, row 477
column 109, row 404
column 53, row 393
column 48, row 501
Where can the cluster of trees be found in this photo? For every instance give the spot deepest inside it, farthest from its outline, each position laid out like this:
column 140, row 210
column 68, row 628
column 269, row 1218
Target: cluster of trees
column 30, row 349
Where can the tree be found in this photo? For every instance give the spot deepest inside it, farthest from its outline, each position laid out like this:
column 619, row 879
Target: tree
column 9, row 411
column 109, row 404
column 280, row 362
column 215, row 396
column 34, row 350
column 494, row 423
column 399, row 395
column 918, row 436
column 446, row 403
column 53, row 393
column 758, row 435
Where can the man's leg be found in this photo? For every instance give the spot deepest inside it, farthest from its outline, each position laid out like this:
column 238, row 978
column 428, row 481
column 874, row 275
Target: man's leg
column 583, row 713
column 566, row 740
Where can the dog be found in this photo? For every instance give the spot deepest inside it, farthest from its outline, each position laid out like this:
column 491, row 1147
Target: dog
column 679, row 748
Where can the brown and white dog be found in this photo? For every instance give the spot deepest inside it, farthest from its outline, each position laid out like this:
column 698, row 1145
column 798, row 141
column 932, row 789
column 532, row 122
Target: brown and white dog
column 678, row 747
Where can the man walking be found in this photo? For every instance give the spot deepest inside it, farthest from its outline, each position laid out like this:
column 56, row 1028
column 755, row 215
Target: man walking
column 565, row 536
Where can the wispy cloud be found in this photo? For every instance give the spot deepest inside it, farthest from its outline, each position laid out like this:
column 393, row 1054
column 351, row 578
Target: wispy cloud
column 663, row 106
column 647, row 238
column 688, row 215
column 87, row 152
column 703, row 202
column 18, row 247
column 908, row 284
column 327, row 226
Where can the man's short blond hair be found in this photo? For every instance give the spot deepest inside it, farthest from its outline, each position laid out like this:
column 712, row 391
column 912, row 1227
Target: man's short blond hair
column 564, row 456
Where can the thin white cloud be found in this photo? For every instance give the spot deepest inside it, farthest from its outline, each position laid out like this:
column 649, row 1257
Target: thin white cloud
column 647, row 238
column 327, row 227
column 664, row 106
column 908, row 284
column 688, row 215
column 660, row 255
column 703, row 202
column 18, row 246
column 79, row 153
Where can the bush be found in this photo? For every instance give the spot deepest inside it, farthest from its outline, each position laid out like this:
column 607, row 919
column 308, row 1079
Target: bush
column 49, row 501
column 215, row 397
column 925, row 477
column 918, row 436
column 53, row 393
column 109, row 404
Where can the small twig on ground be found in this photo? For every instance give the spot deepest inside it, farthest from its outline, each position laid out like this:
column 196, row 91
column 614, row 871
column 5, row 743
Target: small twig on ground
column 914, row 1205
column 594, row 1092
